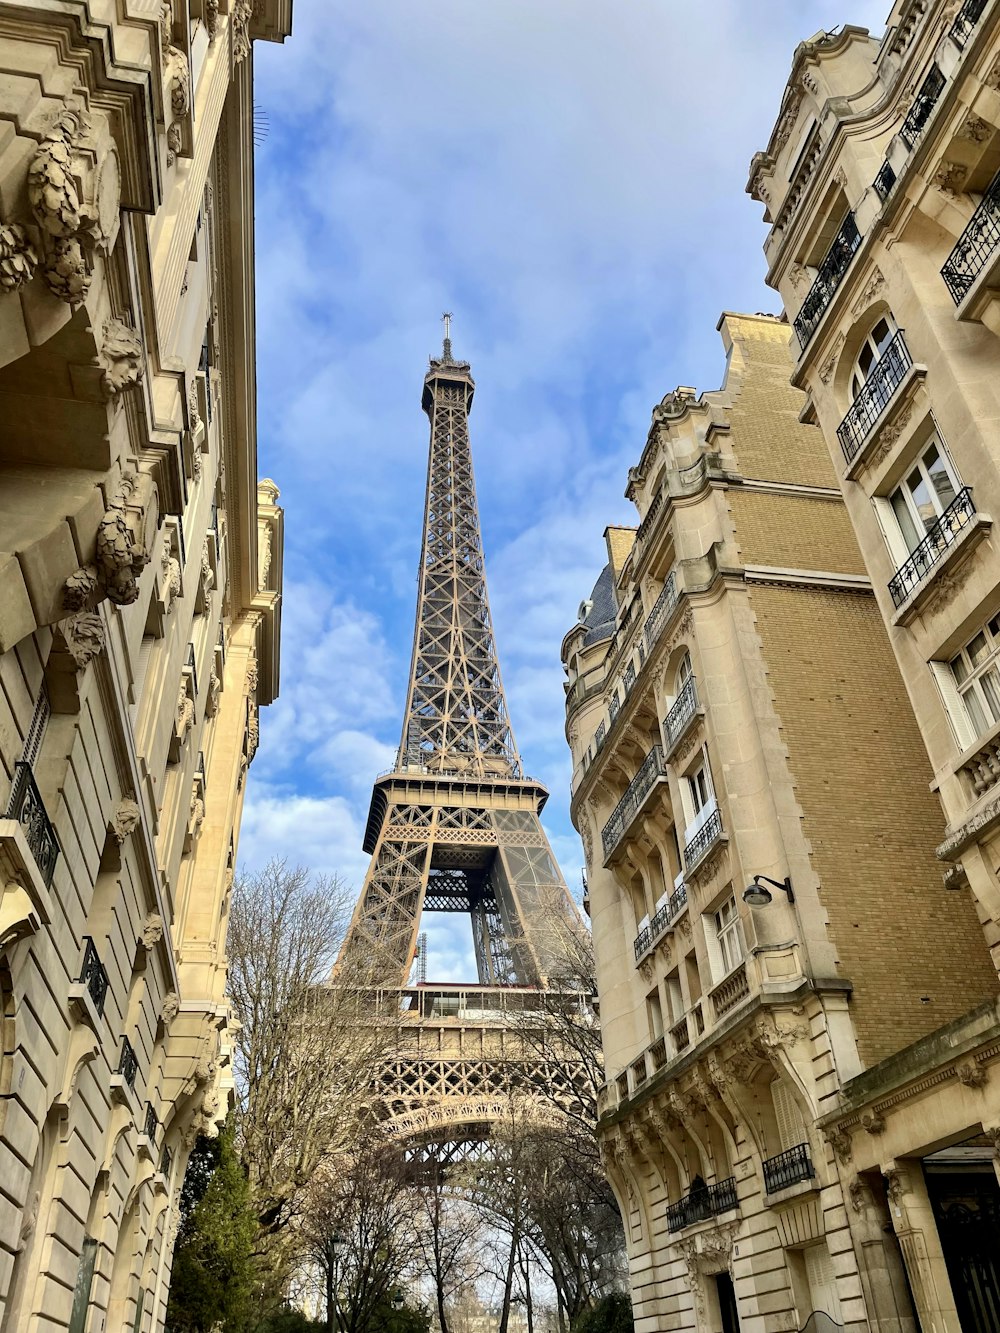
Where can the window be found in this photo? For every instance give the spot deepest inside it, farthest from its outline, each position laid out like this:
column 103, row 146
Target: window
column 788, row 1116
column 919, row 501
column 879, row 337
column 729, row 935
column 654, row 1015
column 675, row 998
column 976, row 671
column 684, row 673
column 820, row 1285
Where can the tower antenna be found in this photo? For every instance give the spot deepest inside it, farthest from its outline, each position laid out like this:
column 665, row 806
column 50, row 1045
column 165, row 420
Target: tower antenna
column 446, row 317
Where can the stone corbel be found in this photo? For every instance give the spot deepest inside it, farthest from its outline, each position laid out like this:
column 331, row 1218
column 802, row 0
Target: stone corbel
column 76, row 642
column 124, row 542
column 121, row 357
column 125, row 820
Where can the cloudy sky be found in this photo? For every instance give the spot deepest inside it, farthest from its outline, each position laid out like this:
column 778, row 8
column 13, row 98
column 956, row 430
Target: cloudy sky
column 568, row 177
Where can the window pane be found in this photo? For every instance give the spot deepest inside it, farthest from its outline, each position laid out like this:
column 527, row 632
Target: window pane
column 904, row 518
column 959, row 670
column 991, row 690
column 978, row 650
column 923, row 499
column 975, row 710
column 940, row 479
column 881, row 335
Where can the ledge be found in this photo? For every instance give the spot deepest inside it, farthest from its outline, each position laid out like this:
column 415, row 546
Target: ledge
column 985, row 288
column 25, row 905
column 83, row 1008
column 123, row 1094
column 960, row 549
column 792, row 1193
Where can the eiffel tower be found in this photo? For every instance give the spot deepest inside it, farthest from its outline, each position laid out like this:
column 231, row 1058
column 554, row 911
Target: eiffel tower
column 454, row 827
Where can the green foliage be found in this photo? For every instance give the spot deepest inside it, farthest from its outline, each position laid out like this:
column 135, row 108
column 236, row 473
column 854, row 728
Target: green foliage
column 400, row 1319
column 287, row 1320
column 611, row 1314
column 212, row 1281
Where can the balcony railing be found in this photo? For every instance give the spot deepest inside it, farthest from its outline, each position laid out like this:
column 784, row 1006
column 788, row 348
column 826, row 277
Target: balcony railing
column 635, row 793
column 662, row 610
column 658, row 1053
column 923, row 104
column 927, row 553
column 151, row 1123
column 189, row 662
column 614, row 705
column 965, row 20
column 788, row 1168
column 885, row 180
column 709, row 833
column 976, row 245
column 884, row 378
column 599, row 735
column 649, row 517
column 730, row 991
column 25, row 805
column 827, row 280
column 701, row 1203
column 648, row 936
column 166, row 1161
column 680, row 1035
column 94, row 974
column 128, row 1063
column 682, row 710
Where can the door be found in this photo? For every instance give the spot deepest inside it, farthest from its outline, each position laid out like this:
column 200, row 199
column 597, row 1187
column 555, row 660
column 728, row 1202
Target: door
column 967, row 1210
column 727, row 1303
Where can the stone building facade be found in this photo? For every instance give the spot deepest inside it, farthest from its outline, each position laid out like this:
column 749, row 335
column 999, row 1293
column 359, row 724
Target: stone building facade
column 882, row 193
column 735, row 710
column 140, row 594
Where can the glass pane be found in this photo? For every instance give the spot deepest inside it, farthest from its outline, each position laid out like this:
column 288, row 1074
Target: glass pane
column 865, row 358
column 924, row 500
column 978, row 650
column 940, row 478
column 881, row 335
column 959, row 669
column 975, row 710
column 990, row 682
column 904, row 518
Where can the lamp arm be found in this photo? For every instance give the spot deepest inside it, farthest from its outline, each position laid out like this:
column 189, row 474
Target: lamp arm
column 785, row 885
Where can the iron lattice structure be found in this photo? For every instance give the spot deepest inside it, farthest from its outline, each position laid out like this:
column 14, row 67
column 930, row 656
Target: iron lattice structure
column 455, row 826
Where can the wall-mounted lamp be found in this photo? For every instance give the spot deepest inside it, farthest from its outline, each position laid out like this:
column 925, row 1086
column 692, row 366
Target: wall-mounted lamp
column 756, row 895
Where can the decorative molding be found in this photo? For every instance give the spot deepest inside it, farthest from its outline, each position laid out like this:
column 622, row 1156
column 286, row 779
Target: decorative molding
column 121, row 353
column 125, row 820
column 871, row 289
column 971, row 1074
column 841, row 1143
column 18, row 257
column 873, row 1122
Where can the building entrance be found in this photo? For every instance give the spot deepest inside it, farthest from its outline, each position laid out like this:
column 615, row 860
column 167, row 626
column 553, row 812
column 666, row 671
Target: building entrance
column 966, row 1203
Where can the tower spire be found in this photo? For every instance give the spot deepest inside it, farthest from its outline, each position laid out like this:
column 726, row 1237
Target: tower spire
column 447, row 317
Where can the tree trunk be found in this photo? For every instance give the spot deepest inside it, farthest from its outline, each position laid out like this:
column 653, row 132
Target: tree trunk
column 331, row 1301
column 509, row 1279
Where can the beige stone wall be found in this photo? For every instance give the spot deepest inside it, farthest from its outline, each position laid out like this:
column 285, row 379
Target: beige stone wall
column 139, row 630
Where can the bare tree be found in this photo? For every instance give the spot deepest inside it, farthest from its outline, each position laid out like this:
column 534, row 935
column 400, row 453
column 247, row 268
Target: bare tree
column 445, row 1241
column 306, row 1050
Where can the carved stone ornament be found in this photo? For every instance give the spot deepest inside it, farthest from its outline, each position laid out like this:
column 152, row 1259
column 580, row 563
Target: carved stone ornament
column 873, row 1122
column 170, row 1007
column 869, row 292
column 178, row 73
column 212, row 18
column 992, row 79
column 185, row 713
column 975, row 129
column 212, row 697
column 949, row 178
column 888, row 436
column 860, row 1195
column 85, row 637
column 840, row 1141
column 895, row 1186
column 152, row 931
column 240, row 13
column 125, row 819
column 253, row 731
column 830, row 364
column 170, row 568
column 175, row 141
column 646, row 970
column 264, row 562
column 121, row 548
column 252, row 673
column 588, row 843
column 684, row 926
column 121, row 353
column 207, row 572
column 196, row 817
column 18, row 258
column 972, row 1075
column 73, row 192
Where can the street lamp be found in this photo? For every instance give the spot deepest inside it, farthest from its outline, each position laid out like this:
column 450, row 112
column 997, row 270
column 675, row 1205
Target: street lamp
column 756, row 895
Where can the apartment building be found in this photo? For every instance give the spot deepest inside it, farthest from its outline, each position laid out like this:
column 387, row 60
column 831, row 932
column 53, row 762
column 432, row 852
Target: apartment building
column 140, row 596
column 759, row 827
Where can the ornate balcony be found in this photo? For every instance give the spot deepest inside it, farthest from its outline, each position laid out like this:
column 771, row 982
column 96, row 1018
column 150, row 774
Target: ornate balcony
column 884, row 181
column 923, row 104
column 128, row 1063
column 25, row 806
column 976, row 246
column 788, row 1168
column 648, row 936
column 965, row 20
column 702, row 1203
column 636, row 792
column 884, row 378
column 663, row 609
column 709, row 834
column 827, row 280
column 681, row 714
column 730, row 991
column 922, row 559
column 658, row 1053
column 93, row 975
column 680, row 1035
column 982, row 767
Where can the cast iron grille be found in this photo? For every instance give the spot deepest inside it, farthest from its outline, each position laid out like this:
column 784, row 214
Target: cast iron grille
column 928, row 552
column 635, row 794
column 599, row 735
column 128, row 1064
column 166, row 1161
column 151, row 1124
column 723, row 1196
column 643, row 940
column 93, row 974
column 192, row 668
column 885, row 180
column 788, row 1168
column 614, row 705
column 965, row 20
column 25, row 805
column 884, row 378
column 660, row 920
column 976, row 245
column 923, row 104
column 682, row 710
column 827, row 280
column 663, row 609
column 702, row 1202
column 709, row 833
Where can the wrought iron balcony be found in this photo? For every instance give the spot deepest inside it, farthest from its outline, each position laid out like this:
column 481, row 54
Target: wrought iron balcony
column 663, row 609
column 884, row 378
column 166, row 1161
column 25, row 805
column 923, row 104
column 94, row 975
column 976, row 246
column 730, row 991
column 635, row 793
column 928, row 552
column 885, row 180
column 661, row 919
column 628, row 680
column 827, row 280
column 788, row 1168
column 682, row 710
column 599, row 736
column 702, row 1203
column 614, row 705
column 965, row 20
column 709, row 833
column 128, row 1063
column 151, row 1123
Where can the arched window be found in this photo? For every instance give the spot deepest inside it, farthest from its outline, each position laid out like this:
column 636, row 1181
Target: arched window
column 878, row 338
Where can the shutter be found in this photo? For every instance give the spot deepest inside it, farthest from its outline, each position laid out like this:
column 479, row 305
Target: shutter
column 958, row 715
column 898, row 550
column 819, row 1277
column 791, row 1130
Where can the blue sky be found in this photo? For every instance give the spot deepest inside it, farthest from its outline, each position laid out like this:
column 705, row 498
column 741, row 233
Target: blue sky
column 568, row 177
